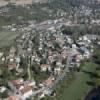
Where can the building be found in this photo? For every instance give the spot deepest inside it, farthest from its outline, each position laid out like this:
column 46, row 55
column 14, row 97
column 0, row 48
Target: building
column 12, row 66
column 85, row 51
column 22, row 89
column 45, row 67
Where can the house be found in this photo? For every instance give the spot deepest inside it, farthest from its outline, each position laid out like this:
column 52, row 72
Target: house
column 29, row 50
column 22, row 89
column 37, row 59
column 81, row 43
column 51, row 58
column 57, row 70
column 12, row 97
column 93, row 37
column 12, row 53
column 13, row 29
column 85, row 51
column 12, row 66
column 50, row 44
column 3, row 59
column 64, row 54
column 26, row 92
column 15, row 84
column 47, row 92
column 2, row 89
column 45, row 67
column 12, row 50
column 49, row 81
column 19, row 70
column 78, row 57
column 40, row 47
column 11, row 60
column 74, row 46
column 17, row 60
column 85, row 38
column 59, row 63
column 41, row 95
column 69, row 40
column 78, row 64
column 44, row 93
column 1, row 54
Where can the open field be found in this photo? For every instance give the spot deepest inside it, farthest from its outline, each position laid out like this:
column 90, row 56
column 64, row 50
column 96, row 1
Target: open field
column 3, row 3
column 79, row 87
column 20, row 2
column 7, row 38
column 17, row 2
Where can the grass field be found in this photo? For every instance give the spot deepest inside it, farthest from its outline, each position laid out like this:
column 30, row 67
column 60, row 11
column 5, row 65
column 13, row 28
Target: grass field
column 7, row 38
column 79, row 87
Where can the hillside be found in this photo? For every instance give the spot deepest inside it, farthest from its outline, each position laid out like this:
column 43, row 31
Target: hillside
column 16, row 2
column 20, row 2
column 80, row 11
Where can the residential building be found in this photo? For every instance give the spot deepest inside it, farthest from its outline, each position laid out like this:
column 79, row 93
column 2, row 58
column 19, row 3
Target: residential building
column 22, row 89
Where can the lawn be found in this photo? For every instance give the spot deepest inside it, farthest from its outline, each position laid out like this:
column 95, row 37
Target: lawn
column 79, row 87
column 7, row 38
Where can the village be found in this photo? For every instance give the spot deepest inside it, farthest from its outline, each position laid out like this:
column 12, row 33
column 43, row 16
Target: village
column 44, row 56
column 49, row 44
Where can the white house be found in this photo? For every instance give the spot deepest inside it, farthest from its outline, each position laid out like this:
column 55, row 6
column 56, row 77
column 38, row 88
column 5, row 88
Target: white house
column 44, row 67
column 21, row 88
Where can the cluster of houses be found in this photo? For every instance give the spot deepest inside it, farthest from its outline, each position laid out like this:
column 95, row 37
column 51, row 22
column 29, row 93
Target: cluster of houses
column 21, row 89
column 51, row 55
column 83, row 49
column 49, row 49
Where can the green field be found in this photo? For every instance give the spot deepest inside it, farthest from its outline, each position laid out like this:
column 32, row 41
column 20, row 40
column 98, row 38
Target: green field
column 79, row 87
column 7, row 38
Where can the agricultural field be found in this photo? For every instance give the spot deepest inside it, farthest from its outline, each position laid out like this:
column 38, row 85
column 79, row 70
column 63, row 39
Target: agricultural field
column 80, row 87
column 7, row 38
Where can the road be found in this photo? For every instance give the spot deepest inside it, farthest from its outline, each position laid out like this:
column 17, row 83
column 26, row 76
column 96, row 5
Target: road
column 55, row 25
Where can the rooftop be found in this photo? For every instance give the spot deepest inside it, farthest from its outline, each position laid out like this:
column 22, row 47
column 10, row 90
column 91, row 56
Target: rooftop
column 12, row 98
